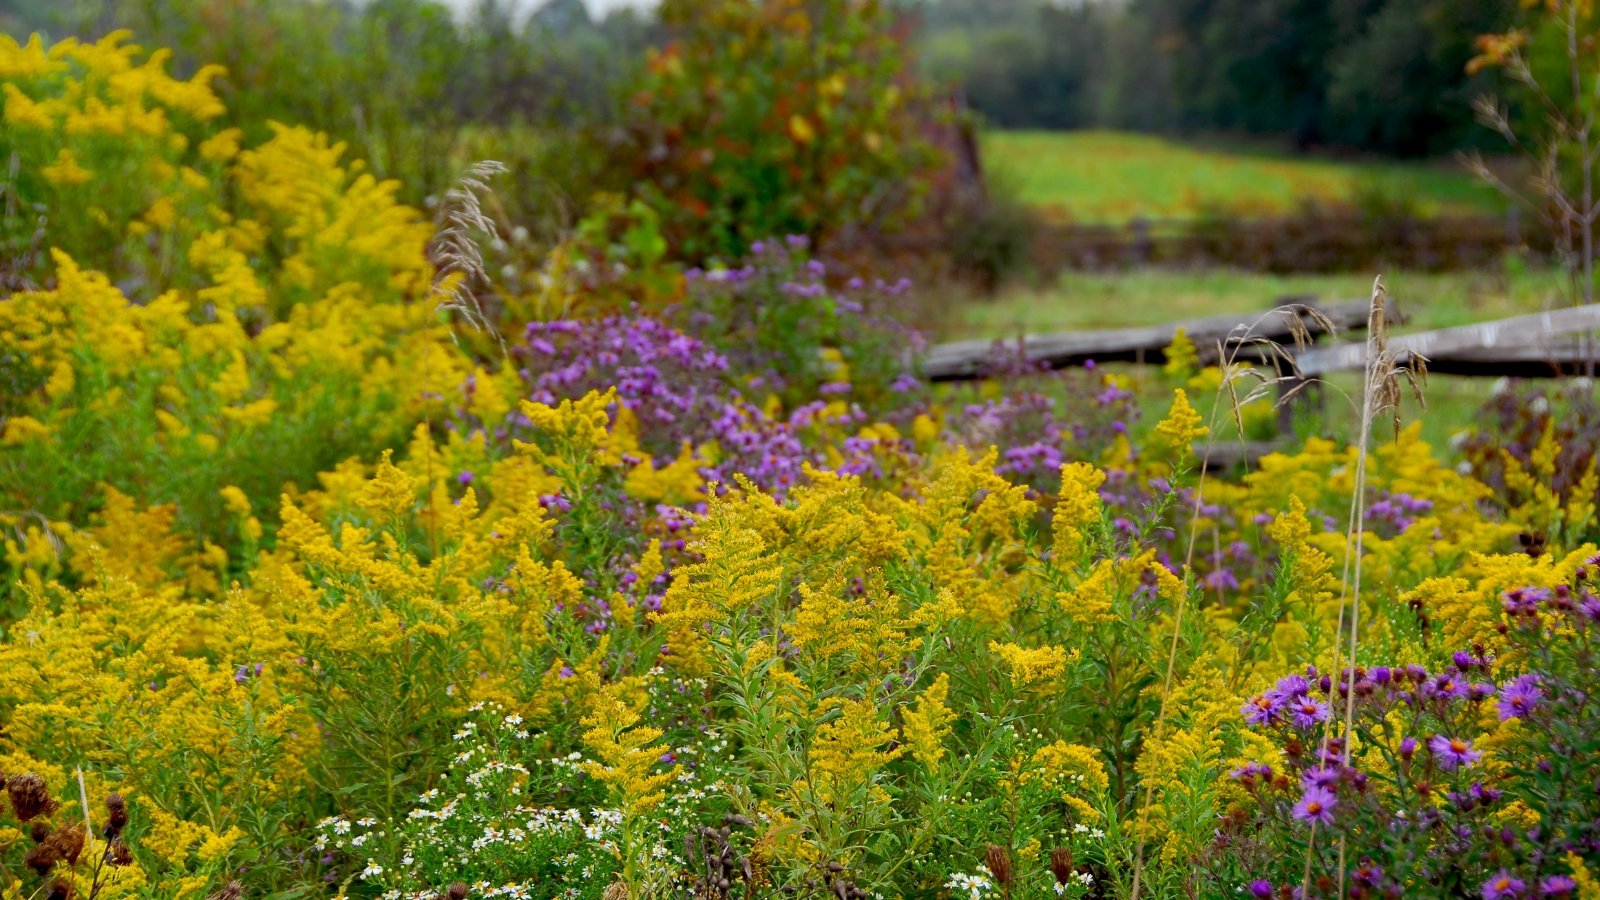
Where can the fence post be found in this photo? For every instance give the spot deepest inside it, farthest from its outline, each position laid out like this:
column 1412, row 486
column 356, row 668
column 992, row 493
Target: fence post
column 1142, row 247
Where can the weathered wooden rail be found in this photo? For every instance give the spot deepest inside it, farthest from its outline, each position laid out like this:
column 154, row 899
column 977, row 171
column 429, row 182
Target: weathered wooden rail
column 1538, row 345
column 968, row 360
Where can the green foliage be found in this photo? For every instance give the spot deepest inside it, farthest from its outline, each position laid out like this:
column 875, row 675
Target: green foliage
column 771, row 118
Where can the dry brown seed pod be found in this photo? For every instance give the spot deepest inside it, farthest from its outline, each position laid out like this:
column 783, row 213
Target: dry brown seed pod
column 121, row 854
column 41, row 859
column 999, row 862
column 116, row 814
column 66, row 842
column 29, row 796
column 1061, row 864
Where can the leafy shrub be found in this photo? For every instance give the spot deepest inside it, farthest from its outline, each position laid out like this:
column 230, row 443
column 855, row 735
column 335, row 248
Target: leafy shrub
column 1536, row 448
column 777, row 117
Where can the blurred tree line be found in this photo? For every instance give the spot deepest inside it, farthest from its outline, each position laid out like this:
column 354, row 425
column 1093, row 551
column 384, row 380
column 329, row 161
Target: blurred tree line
column 728, row 120
column 415, row 87
column 1385, row 76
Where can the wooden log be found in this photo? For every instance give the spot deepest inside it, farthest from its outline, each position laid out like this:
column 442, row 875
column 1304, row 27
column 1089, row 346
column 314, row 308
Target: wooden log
column 1515, row 341
column 966, row 360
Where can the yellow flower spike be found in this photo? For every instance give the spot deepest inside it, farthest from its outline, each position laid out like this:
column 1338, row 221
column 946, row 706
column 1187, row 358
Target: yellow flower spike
column 22, row 110
column 235, row 500
column 846, row 753
column 30, row 60
column 24, row 429
column 650, row 566
column 1077, row 507
column 624, row 755
column 1183, row 359
column 1588, row 884
column 863, row 632
column 391, row 494
column 66, row 170
column 928, row 723
column 1077, row 771
column 1182, row 426
column 1031, row 667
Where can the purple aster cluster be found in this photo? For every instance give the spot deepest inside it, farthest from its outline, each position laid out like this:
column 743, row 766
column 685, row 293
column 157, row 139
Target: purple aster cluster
column 1394, row 512
column 1414, row 788
column 773, row 315
column 674, row 384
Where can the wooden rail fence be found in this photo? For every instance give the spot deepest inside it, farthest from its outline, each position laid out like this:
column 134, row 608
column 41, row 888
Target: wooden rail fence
column 1542, row 345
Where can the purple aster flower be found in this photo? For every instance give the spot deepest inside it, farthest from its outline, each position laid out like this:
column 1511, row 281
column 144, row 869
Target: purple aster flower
column 1503, row 885
column 1408, row 748
column 1557, row 886
column 1263, row 709
column 1589, row 606
column 1308, row 711
column 1316, row 805
column 1368, row 874
column 1249, row 772
column 1292, row 686
column 1524, row 601
column 1520, row 697
column 1321, row 776
column 1261, row 888
column 1446, row 687
column 1451, row 753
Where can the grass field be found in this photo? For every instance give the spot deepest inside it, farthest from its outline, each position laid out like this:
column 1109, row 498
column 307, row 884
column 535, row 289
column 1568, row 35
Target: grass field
column 1081, row 300
column 1114, row 176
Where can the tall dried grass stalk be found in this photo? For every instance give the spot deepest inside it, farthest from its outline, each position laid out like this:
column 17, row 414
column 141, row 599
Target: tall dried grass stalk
column 455, row 253
column 1381, row 393
column 457, row 261
column 1234, row 373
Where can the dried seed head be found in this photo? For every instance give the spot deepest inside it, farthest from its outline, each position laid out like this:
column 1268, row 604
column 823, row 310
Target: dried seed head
column 39, row 830
column 60, row 890
column 616, row 890
column 41, row 859
column 1061, row 864
column 120, row 853
column 29, row 796
column 457, row 891
column 66, row 842
column 116, row 815
column 233, row 891
column 999, row 862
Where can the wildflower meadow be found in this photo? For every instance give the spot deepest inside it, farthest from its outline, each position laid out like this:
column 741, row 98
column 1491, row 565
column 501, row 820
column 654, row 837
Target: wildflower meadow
column 357, row 546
